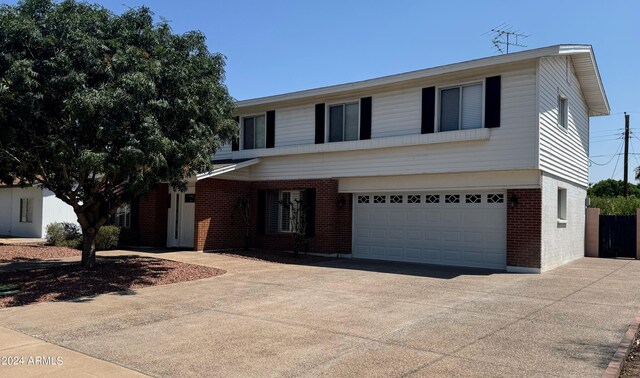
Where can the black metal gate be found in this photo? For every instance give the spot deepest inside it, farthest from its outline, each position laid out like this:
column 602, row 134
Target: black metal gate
column 618, row 236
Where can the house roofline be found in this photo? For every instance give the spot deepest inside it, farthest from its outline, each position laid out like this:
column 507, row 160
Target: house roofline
column 556, row 50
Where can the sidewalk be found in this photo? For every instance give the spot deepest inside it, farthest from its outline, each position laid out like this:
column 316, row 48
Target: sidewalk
column 31, row 357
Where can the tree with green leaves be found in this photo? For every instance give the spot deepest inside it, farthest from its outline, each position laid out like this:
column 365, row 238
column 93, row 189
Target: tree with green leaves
column 100, row 107
column 612, row 188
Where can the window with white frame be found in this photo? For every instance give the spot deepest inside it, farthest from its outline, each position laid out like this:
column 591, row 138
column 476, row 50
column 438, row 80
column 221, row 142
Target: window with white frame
column 286, row 223
column 562, row 204
column 26, row 210
column 122, row 217
column 343, row 122
column 563, row 111
column 254, row 132
column 461, row 107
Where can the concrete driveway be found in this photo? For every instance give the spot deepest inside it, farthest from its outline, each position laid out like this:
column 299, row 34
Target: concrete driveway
column 352, row 318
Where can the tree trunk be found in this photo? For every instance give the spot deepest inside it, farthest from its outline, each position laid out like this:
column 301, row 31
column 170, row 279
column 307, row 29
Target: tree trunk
column 89, row 247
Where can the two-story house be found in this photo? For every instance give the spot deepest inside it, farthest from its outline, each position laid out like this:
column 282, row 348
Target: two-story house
column 482, row 163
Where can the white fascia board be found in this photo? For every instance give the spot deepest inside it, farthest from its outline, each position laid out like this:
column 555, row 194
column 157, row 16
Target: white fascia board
column 587, row 50
column 230, row 168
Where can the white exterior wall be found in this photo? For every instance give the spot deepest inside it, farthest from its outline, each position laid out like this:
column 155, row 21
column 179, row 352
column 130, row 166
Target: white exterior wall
column 10, row 224
column 511, row 146
column 55, row 210
column 396, row 113
column 223, row 153
column 46, row 209
column 442, row 181
column 295, row 126
column 6, row 209
column 563, row 152
column 562, row 243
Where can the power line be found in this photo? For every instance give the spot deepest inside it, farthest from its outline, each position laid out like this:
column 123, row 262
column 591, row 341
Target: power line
column 604, row 140
column 614, row 155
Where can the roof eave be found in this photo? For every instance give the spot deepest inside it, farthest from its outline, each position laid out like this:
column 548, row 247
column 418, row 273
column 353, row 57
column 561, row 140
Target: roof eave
column 598, row 105
column 230, row 168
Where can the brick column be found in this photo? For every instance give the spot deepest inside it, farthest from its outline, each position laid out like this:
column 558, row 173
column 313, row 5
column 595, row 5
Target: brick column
column 592, row 233
column 637, row 234
column 152, row 217
column 524, row 228
column 218, row 223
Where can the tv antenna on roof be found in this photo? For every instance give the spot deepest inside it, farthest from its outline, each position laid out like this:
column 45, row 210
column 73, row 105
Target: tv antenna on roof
column 504, row 36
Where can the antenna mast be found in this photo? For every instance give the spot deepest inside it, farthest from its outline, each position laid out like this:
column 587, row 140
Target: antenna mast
column 504, row 36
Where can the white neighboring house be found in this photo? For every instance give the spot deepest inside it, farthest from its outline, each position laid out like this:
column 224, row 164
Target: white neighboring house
column 26, row 211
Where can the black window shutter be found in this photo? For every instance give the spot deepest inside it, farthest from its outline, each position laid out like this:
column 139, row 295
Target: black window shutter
column 319, row 123
column 271, row 129
column 235, row 146
column 428, row 110
column 365, row 118
column 262, row 215
column 274, row 210
column 492, row 102
column 310, row 197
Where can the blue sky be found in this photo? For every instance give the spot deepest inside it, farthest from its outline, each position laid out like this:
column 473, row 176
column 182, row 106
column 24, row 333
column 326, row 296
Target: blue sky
column 282, row 46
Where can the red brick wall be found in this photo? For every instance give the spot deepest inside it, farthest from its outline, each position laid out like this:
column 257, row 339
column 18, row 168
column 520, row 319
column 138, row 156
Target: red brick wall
column 524, row 228
column 219, row 224
column 152, row 217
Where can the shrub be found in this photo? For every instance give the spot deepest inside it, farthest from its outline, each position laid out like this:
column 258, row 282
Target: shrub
column 63, row 234
column 107, row 238
column 615, row 205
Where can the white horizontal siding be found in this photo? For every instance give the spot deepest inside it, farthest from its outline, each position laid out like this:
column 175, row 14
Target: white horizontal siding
column 223, row 153
column 444, row 181
column 512, row 146
column 396, row 113
column 563, row 152
column 295, row 126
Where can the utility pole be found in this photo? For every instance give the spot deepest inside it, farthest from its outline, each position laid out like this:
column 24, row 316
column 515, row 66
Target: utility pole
column 626, row 154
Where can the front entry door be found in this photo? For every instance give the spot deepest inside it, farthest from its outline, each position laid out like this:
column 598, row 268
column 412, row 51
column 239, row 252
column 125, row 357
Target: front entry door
column 181, row 219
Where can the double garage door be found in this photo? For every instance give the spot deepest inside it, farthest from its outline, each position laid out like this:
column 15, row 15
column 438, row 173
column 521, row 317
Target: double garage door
column 450, row 228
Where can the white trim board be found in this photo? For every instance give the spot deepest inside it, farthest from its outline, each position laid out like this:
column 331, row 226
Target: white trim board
column 521, row 179
column 226, row 169
column 472, row 135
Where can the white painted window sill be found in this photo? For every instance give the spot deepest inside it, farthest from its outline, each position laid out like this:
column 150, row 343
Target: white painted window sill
column 396, row 141
column 562, row 221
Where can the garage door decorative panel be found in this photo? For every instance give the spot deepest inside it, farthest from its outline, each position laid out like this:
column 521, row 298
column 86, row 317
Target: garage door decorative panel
column 453, row 228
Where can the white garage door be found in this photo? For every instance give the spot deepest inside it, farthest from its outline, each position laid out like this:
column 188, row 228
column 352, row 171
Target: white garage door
column 451, row 228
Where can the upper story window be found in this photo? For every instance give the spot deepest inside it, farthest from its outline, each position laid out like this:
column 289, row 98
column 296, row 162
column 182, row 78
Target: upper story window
column 461, row 107
column 254, row 132
column 563, row 111
column 343, row 122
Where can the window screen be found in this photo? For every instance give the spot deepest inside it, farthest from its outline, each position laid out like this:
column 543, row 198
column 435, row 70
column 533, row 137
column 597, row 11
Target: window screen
column 343, row 122
column 461, row 108
column 449, row 109
column 26, row 210
column 254, row 133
